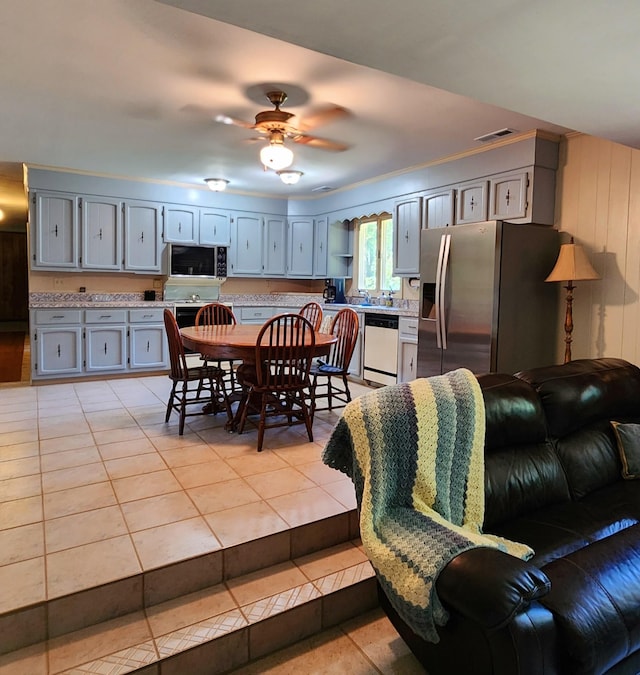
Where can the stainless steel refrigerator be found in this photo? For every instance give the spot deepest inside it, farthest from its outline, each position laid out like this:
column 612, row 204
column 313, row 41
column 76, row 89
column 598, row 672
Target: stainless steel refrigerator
column 484, row 303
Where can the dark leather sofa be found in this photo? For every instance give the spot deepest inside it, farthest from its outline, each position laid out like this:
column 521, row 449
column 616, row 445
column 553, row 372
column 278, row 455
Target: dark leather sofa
column 552, row 480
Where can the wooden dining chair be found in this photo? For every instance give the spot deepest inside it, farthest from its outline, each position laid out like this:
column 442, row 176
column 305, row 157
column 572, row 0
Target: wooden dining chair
column 344, row 326
column 279, row 388
column 313, row 312
column 218, row 314
column 201, row 386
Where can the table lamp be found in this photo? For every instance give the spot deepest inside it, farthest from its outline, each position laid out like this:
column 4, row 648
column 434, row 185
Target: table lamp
column 572, row 265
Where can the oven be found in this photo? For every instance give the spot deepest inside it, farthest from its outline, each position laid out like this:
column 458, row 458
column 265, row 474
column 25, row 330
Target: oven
column 185, row 313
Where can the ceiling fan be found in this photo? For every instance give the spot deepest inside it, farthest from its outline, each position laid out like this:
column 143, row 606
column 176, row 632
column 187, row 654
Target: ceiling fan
column 276, row 126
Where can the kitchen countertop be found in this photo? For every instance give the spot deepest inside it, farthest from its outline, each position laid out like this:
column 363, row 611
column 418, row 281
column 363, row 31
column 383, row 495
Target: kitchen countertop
column 135, row 301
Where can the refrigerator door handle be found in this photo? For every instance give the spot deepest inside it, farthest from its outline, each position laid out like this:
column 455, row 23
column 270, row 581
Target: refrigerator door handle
column 443, row 239
column 442, row 287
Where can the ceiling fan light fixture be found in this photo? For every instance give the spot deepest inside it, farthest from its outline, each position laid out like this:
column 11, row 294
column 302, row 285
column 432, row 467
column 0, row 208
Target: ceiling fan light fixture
column 276, row 156
column 289, row 177
column 216, row 184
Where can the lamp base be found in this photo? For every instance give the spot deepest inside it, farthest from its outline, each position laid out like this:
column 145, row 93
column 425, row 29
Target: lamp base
column 568, row 322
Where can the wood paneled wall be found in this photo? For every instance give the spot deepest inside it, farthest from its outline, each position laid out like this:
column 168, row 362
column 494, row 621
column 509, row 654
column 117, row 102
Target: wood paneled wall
column 598, row 203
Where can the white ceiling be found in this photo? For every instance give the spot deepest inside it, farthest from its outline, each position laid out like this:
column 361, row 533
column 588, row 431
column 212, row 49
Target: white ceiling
column 131, row 87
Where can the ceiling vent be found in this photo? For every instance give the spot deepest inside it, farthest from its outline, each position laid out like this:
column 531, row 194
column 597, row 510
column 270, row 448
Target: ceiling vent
column 495, row 135
column 322, row 188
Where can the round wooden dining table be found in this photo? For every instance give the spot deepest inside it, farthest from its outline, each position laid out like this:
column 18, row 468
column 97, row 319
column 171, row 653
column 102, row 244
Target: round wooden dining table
column 237, row 342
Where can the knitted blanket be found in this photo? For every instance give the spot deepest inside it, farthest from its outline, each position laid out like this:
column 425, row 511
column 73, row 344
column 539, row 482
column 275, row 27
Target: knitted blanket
column 415, row 453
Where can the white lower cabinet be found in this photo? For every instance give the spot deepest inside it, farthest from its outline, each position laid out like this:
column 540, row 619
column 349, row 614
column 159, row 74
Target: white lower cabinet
column 254, row 315
column 77, row 343
column 148, row 346
column 105, row 339
column 407, row 348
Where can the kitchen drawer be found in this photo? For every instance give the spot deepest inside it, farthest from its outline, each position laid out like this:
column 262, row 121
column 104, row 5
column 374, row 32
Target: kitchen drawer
column 255, row 314
column 105, row 316
column 155, row 315
column 408, row 327
column 50, row 317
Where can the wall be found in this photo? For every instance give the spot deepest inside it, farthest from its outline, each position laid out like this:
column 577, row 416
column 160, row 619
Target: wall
column 598, row 203
column 137, row 283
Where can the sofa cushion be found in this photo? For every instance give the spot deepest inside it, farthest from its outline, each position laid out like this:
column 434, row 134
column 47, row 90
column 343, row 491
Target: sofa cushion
column 595, row 597
column 581, row 392
column 522, row 471
column 561, row 529
column 590, row 458
column 628, row 442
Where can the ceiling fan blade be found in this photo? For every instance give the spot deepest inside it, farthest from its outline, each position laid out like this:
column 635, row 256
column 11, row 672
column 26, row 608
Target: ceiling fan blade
column 226, row 119
column 321, row 143
column 321, row 117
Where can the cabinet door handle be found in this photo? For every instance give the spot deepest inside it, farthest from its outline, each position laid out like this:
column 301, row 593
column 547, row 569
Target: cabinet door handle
column 55, row 229
column 105, row 316
column 406, row 236
column 105, row 347
column 100, row 234
column 274, row 245
column 58, row 350
column 142, row 236
column 180, row 227
column 58, row 316
column 148, row 346
column 247, row 244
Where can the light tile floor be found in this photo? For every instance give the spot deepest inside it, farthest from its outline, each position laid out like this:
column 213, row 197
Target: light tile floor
column 95, row 486
column 365, row 645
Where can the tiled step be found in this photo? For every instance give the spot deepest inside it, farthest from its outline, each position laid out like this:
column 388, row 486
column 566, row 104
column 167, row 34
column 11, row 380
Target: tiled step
column 218, row 628
column 75, row 611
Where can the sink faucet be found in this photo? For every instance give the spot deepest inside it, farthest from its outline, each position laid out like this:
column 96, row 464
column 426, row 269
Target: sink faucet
column 367, row 296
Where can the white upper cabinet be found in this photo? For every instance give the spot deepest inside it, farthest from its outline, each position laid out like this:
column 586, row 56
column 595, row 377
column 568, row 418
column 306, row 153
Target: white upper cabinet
column 101, row 233
column 472, row 202
column 55, row 242
column 246, row 249
column 181, row 224
column 438, row 208
column 508, row 196
column 406, row 227
column 196, row 226
column 142, row 237
column 300, row 247
column 275, row 247
column 321, row 247
column 215, row 228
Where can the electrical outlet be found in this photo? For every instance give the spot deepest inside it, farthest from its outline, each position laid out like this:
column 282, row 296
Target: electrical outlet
column 58, row 282
column 157, row 283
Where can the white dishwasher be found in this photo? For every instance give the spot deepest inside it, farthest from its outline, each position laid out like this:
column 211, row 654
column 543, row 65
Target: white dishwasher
column 380, row 348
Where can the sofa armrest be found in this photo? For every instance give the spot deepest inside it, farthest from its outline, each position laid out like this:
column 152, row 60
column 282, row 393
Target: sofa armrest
column 489, row 586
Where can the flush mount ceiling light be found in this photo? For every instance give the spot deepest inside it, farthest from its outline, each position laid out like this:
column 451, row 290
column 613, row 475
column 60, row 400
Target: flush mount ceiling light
column 289, row 177
column 216, row 184
column 276, row 155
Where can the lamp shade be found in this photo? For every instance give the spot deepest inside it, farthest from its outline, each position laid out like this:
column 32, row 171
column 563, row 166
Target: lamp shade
column 276, row 156
column 572, row 265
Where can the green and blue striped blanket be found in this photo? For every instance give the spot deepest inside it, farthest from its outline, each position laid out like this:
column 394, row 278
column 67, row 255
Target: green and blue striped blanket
column 415, row 453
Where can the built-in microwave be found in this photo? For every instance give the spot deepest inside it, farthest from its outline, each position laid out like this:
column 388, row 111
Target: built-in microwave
column 205, row 262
